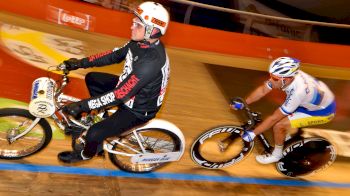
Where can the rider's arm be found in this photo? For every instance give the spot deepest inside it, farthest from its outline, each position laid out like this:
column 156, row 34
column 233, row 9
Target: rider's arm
column 269, row 122
column 143, row 73
column 258, row 93
column 108, row 57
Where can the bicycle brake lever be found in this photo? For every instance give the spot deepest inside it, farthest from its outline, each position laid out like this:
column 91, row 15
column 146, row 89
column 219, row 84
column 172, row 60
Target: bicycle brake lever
column 62, row 67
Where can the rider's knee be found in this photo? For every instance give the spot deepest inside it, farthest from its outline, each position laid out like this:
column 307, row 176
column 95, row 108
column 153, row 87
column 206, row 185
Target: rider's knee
column 279, row 128
column 89, row 78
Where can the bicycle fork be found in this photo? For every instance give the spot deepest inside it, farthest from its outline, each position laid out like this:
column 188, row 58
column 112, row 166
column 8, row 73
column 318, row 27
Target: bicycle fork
column 12, row 135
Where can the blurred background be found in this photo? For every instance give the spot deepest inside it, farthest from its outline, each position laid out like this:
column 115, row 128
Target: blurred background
column 225, row 15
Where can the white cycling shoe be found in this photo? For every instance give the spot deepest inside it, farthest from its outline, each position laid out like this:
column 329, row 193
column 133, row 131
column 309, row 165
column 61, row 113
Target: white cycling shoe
column 267, row 158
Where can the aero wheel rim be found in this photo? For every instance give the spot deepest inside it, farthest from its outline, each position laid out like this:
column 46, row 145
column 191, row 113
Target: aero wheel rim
column 210, row 149
column 206, row 152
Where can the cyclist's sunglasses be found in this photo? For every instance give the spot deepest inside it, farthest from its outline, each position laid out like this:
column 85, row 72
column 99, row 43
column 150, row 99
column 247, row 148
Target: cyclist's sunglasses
column 274, row 78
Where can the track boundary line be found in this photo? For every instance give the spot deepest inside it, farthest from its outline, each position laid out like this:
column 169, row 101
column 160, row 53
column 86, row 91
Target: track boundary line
column 166, row 176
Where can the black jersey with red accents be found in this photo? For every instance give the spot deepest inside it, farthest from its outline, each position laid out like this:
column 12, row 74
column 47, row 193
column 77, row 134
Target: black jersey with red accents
column 142, row 84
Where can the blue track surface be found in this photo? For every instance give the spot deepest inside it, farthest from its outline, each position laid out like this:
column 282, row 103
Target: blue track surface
column 167, row 176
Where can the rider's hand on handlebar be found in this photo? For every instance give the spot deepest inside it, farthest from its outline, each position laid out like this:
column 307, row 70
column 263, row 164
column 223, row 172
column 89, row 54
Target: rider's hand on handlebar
column 73, row 64
column 248, row 135
column 236, row 105
column 76, row 108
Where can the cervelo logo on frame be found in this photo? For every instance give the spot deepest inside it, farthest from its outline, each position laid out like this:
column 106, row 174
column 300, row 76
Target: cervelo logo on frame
column 68, row 18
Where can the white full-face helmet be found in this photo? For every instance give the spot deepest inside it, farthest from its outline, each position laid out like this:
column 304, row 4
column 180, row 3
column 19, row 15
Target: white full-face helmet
column 284, row 67
column 155, row 18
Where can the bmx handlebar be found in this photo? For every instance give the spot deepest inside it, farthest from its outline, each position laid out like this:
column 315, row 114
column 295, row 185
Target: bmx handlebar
column 65, row 80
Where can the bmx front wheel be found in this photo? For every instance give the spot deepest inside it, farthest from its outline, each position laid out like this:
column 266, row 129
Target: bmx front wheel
column 13, row 122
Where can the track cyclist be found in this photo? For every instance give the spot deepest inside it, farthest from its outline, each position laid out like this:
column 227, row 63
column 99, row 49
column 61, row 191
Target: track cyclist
column 308, row 102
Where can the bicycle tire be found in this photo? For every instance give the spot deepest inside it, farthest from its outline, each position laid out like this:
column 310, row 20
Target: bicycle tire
column 156, row 140
column 41, row 134
column 306, row 156
column 231, row 155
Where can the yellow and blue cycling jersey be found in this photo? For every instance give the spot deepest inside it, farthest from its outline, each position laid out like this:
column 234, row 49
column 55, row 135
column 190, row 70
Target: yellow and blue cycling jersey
column 308, row 102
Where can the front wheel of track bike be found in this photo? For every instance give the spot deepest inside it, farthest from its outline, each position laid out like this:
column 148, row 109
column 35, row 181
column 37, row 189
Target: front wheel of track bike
column 306, row 156
column 155, row 140
column 220, row 147
column 14, row 121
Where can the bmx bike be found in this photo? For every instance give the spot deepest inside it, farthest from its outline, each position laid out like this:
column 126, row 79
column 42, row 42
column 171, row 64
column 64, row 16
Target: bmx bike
column 223, row 146
column 24, row 132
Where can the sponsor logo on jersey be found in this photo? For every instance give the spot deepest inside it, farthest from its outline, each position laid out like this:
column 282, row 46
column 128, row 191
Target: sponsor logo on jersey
column 101, row 101
column 288, row 99
column 127, row 87
column 96, row 56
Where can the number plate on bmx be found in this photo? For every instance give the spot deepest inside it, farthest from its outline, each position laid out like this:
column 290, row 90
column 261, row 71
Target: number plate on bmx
column 42, row 100
column 156, row 157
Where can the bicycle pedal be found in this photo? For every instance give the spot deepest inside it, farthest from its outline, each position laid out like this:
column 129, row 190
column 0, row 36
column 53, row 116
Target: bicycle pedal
column 101, row 154
column 73, row 131
column 67, row 132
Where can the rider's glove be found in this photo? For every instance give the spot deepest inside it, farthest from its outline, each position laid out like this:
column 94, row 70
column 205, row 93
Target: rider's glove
column 248, row 135
column 76, row 108
column 73, row 64
column 236, row 105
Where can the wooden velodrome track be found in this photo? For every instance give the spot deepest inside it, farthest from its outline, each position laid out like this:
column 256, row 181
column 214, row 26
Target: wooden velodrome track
column 200, row 87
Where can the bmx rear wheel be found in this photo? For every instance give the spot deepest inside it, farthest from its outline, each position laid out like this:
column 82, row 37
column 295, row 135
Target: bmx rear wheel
column 306, row 156
column 155, row 140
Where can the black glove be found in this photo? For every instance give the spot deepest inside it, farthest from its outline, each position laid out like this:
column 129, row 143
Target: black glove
column 73, row 64
column 76, row 108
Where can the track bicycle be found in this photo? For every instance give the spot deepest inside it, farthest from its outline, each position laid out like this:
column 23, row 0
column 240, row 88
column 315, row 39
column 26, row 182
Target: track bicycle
column 24, row 132
column 223, row 146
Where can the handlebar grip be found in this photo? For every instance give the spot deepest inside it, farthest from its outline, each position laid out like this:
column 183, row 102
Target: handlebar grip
column 241, row 100
column 63, row 67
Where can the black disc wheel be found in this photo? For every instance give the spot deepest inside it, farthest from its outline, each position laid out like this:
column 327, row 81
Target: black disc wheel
column 306, row 156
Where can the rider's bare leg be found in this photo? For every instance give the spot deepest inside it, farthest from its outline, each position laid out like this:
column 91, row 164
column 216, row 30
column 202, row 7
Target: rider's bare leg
column 280, row 130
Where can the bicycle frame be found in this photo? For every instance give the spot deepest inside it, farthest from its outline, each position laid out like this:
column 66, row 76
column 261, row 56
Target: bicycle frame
column 254, row 118
column 268, row 148
column 61, row 99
